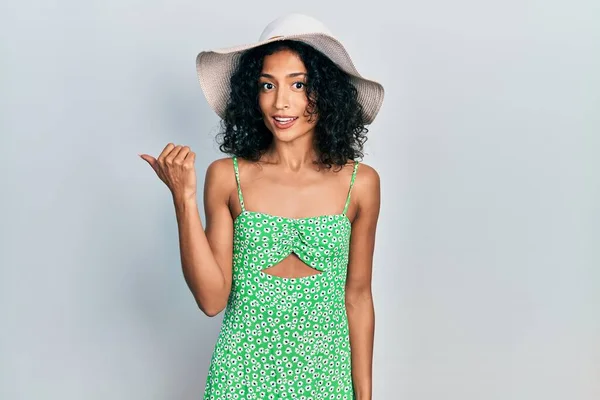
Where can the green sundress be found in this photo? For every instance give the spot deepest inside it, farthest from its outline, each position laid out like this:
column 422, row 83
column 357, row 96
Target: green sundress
column 285, row 338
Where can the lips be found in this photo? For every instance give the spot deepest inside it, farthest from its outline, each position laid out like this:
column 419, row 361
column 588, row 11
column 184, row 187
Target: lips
column 282, row 122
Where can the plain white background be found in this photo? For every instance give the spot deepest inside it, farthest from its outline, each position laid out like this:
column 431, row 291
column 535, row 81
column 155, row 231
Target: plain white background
column 486, row 275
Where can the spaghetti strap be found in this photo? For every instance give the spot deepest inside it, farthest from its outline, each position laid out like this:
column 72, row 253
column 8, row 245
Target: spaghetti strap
column 350, row 189
column 237, row 179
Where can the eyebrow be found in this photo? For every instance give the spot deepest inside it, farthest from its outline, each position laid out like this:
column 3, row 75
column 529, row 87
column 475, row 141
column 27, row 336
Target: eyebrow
column 292, row 75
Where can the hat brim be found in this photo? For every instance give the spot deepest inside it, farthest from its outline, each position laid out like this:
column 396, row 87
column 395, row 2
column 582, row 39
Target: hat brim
column 215, row 68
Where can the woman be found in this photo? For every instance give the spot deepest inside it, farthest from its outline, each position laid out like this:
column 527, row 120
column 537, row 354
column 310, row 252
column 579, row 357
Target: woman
column 277, row 252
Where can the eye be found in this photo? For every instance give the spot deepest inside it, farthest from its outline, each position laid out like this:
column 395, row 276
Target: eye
column 266, row 85
column 299, row 85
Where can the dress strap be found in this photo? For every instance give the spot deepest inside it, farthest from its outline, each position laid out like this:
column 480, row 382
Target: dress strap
column 237, row 179
column 350, row 189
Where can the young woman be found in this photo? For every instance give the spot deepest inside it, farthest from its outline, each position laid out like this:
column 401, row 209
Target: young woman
column 288, row 242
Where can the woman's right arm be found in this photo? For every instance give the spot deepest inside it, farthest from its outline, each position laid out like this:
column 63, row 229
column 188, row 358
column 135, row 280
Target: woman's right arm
column 206, row 254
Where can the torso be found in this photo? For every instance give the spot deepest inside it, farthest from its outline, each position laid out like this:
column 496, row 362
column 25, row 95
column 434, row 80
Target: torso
column 309, row 193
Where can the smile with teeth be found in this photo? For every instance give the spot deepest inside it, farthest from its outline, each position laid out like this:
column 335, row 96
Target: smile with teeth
column 284, row 121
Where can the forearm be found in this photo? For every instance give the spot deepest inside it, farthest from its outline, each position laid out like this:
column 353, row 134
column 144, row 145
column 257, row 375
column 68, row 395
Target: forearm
column 361, row 320
column 201, row 271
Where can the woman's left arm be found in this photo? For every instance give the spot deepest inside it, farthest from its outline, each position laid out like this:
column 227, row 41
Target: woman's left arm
column 359, row 299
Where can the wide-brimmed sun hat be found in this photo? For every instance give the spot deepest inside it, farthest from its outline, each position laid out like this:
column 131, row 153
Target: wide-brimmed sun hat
column 215, row 67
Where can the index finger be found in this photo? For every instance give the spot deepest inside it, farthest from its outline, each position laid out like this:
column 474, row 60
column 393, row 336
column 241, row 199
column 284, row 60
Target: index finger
column 168, row 148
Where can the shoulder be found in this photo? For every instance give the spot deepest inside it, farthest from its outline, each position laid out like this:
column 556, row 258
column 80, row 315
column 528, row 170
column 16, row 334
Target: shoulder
column 220, row 175
column 367, row 186
column 220, row 167
column 366, row 176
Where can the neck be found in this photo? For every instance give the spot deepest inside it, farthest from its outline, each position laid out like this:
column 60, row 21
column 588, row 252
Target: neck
column 292, row 155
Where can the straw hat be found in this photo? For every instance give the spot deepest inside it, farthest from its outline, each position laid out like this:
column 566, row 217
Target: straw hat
column 215, row 67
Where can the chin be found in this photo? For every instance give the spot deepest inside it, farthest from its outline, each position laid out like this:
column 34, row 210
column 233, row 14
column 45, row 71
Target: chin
column 288, row 136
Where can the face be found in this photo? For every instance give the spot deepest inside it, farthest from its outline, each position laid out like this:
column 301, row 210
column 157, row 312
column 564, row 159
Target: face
column 282, row 96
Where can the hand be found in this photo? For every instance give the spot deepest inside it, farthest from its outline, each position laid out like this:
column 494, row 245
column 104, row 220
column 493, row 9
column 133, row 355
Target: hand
column 175, row 167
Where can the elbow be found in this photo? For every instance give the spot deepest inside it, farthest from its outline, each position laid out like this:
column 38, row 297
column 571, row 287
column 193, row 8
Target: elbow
column 359, row 297
column 211, row 313
column 210, row 303
column 210, row 310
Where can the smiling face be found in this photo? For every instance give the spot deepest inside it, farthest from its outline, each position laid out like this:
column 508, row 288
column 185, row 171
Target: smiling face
column 282, row 96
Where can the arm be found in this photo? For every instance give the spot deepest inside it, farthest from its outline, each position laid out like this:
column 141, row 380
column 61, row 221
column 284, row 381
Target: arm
column 359, row 300
column 206, row 255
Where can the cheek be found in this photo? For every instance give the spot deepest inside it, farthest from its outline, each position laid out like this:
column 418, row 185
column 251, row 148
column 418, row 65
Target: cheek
column 300, row 103
column 310, row 118
column 262, row 104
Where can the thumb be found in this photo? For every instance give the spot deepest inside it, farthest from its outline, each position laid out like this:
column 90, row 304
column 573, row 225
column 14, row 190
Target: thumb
column 150, row 160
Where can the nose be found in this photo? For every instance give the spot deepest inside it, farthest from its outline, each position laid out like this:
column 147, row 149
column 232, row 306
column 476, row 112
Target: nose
column 282, row 99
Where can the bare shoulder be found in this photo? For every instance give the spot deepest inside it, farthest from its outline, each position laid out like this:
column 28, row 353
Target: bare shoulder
column 220, row 166
column 367, row 187
column 367, row 178
column 220, row 177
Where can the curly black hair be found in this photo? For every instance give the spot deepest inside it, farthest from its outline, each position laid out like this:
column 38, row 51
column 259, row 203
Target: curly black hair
column 340, row 131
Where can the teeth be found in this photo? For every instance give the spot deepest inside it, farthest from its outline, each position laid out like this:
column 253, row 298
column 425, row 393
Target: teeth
column 284, row 119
